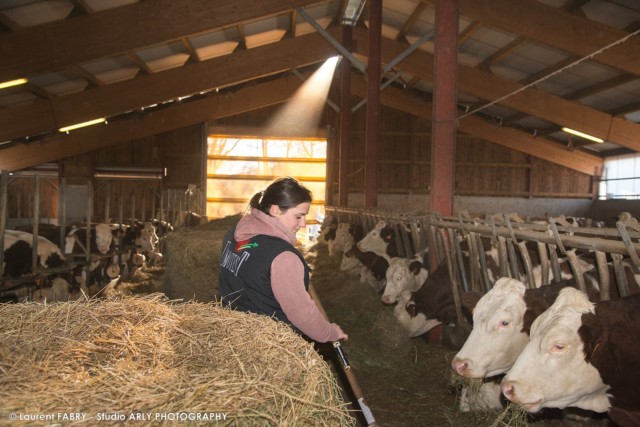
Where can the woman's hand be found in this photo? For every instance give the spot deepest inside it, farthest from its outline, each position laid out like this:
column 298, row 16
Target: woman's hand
column 341, row 334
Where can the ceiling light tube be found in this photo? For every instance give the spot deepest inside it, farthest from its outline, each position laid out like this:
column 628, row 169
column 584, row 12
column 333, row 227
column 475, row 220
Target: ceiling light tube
column 81, row 125
column 12, row 83
column 352, row 12
column 583, row 135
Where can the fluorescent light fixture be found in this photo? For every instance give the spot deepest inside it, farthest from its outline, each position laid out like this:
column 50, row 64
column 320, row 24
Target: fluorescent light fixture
column 12, row 83
column 81, row 125
column 352, row 12
column 583, row 135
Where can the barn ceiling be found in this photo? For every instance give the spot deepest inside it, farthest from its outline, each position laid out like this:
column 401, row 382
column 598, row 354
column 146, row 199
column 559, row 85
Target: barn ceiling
column 527, row 68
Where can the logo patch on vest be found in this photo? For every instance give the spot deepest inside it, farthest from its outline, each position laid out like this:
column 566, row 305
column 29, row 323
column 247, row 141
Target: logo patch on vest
column 232, row 261
column 245, row 245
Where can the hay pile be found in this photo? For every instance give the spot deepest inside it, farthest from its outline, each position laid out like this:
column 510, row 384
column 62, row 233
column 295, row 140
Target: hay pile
column 148, row 355
column 192, row 255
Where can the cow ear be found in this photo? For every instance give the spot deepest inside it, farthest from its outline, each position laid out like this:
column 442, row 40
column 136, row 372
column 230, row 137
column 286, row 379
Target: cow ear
column 470, row 299
column 415, row 267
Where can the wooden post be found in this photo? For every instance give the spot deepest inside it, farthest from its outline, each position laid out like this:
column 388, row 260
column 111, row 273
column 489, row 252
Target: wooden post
column 373, row 105
column 345, row 124
column 444, row 107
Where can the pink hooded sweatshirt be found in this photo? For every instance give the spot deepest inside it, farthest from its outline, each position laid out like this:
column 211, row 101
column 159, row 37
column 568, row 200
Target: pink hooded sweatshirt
column 287, row 278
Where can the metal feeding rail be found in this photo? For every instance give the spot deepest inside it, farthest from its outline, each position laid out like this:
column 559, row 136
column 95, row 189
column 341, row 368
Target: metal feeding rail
column 447, row 238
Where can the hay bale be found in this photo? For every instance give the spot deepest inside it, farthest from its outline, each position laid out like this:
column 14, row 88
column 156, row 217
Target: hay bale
column 148, row 355
column 192, row 255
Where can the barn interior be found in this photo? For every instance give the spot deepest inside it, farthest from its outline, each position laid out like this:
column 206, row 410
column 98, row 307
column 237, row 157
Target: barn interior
column 472, row 116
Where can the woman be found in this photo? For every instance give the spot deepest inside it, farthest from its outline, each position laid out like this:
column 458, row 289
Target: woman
column 261, row 270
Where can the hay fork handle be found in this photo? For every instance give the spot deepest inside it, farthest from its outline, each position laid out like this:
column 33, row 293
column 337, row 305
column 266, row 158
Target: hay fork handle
column 346, row 368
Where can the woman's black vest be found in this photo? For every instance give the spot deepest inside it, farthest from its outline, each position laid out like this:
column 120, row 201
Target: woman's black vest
column 245, row 273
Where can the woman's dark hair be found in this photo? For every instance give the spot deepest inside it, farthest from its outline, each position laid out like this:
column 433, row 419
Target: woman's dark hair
column 284, row 192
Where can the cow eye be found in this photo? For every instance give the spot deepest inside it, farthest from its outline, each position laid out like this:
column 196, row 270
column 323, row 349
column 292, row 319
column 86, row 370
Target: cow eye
column 558, row 348
column 504, row 323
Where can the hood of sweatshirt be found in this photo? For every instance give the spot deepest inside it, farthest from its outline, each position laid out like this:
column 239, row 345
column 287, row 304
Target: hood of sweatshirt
column 258, row 222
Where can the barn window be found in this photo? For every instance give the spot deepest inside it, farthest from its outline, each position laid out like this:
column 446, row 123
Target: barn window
column 621, row 178
column 240, row 166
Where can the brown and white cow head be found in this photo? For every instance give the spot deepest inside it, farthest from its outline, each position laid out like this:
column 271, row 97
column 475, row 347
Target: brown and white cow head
column 497, row 337
column 551, row 371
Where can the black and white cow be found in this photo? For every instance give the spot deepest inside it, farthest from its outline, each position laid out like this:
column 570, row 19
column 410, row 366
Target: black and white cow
column 100, row 239
column 380, row 239
column 371, row 266
column 18, row 253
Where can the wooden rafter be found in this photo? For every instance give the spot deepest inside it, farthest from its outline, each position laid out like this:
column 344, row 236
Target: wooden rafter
column 410, row 22
column 56, row 45
column 261, row 95
column 532, row 101
column 109, row 100
column 555, row 27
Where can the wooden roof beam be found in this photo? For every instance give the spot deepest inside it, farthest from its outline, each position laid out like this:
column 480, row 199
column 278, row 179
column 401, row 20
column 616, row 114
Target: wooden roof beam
column 558, row 28
column 532, row 101
column 93, row 138
column 109, row 100
column 56, row 45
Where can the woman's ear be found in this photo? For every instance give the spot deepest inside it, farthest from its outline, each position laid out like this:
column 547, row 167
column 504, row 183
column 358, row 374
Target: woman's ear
column 274, row 210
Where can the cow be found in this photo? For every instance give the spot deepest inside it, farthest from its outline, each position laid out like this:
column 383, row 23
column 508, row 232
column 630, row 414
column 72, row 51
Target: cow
column 430, row 306
column 18, row 253
column 162, row 227
column 380, row 239
column 101, row 245
column 501, row 321
column 435, row 298
column 100, row 239
column 373, row 266
column 349, row 263
column 50, row 232
column 133, row 244
column 403, row 274
column 581, row 354
column 345, row 234
column 415, row 323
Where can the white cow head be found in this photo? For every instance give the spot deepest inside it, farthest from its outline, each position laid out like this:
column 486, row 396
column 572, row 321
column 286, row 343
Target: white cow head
column 373, row 242
column 403, row 274
column 145, row 241
column 496, row 339
column 551, row 371
column 343, row 237
column 350, row 264
column 104, row 237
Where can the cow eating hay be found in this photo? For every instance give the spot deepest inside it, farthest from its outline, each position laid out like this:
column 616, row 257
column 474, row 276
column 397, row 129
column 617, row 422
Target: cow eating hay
column 148, row 355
